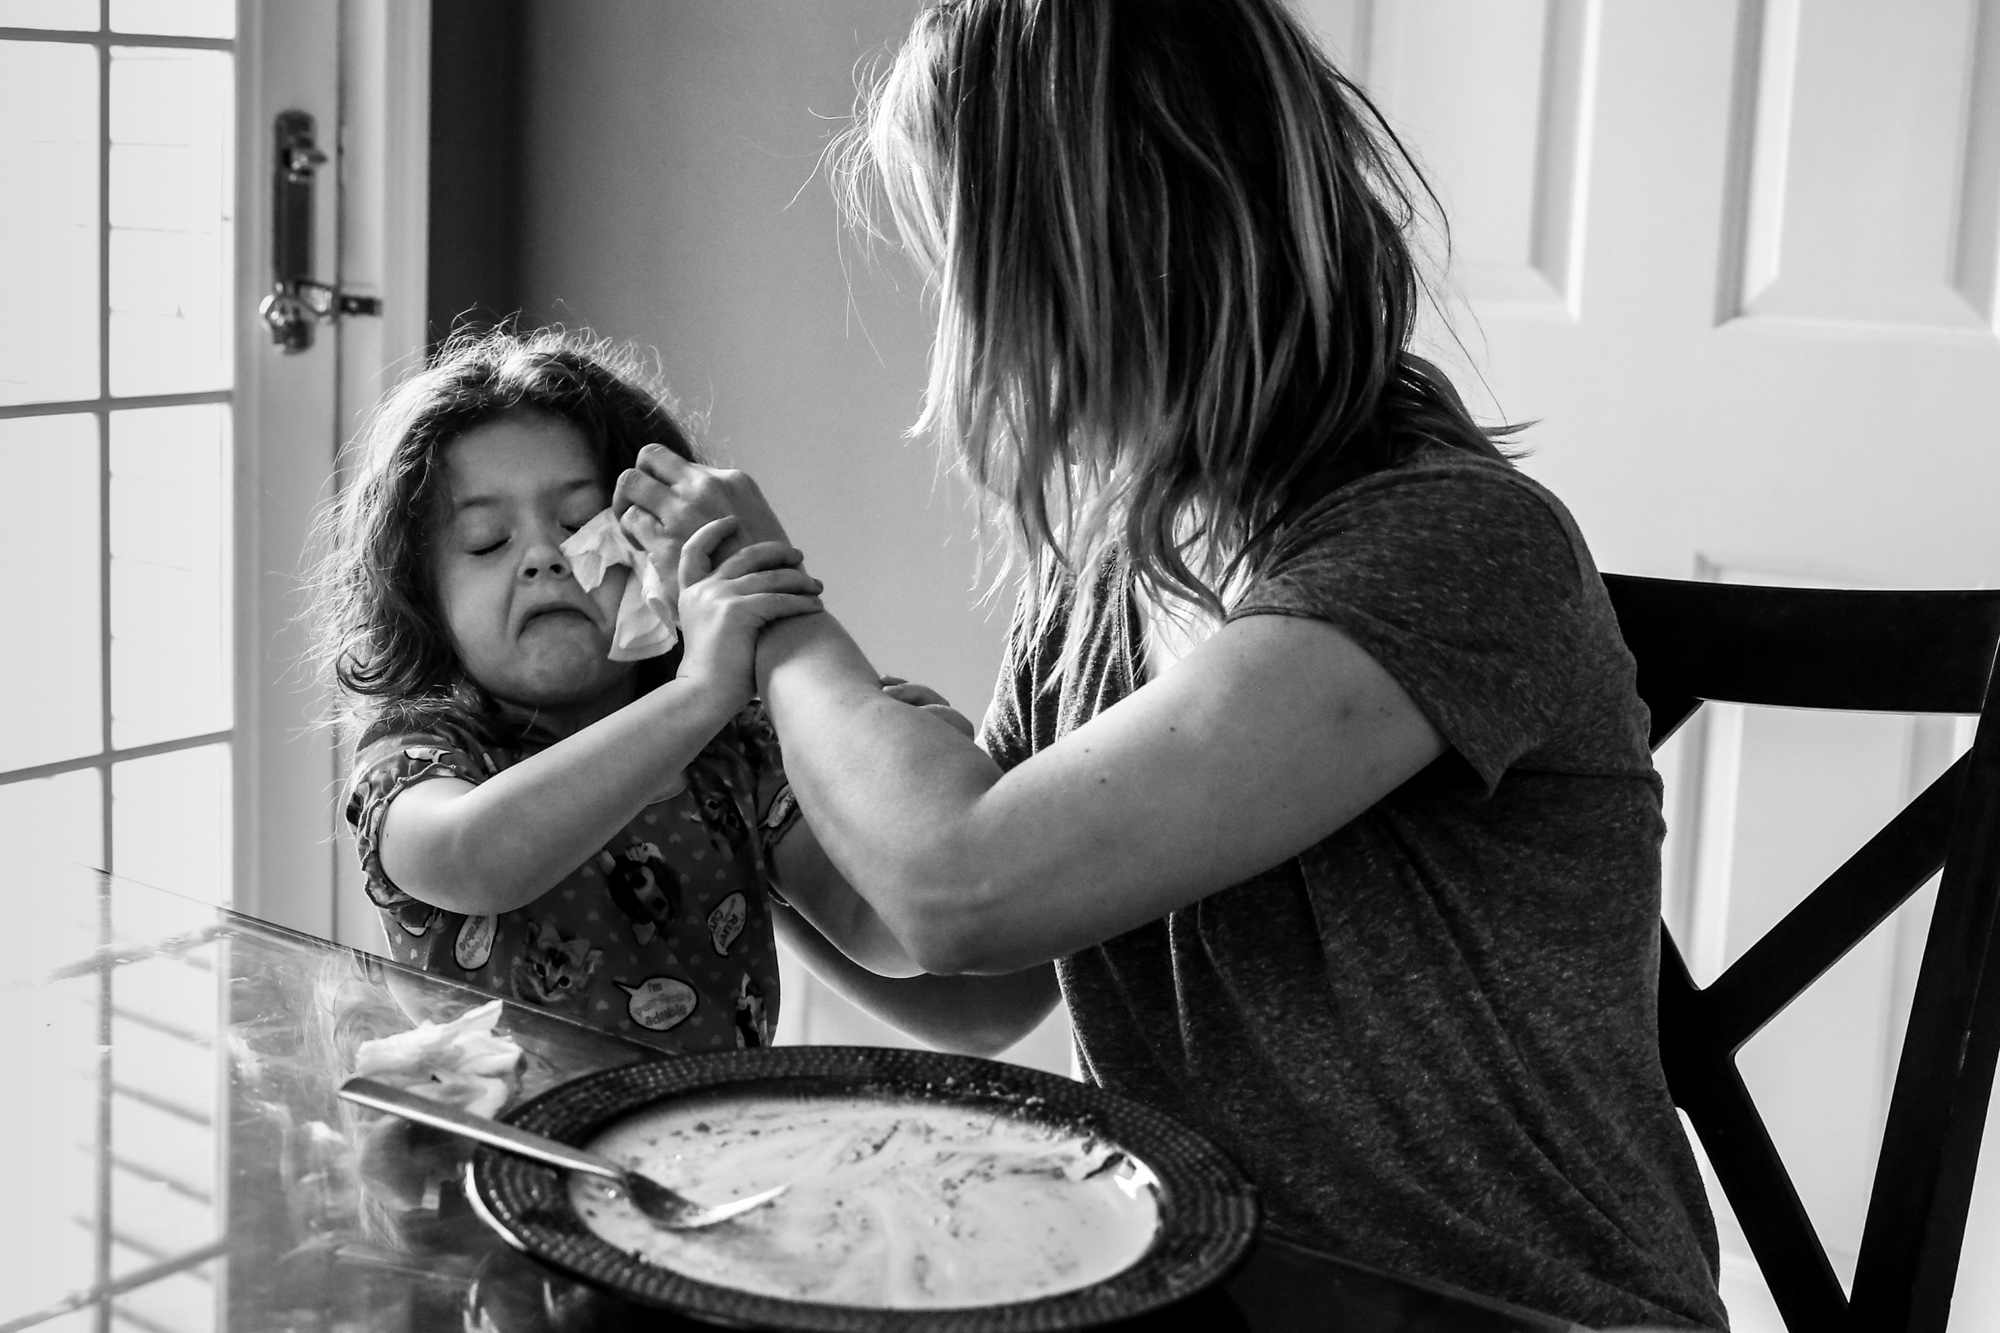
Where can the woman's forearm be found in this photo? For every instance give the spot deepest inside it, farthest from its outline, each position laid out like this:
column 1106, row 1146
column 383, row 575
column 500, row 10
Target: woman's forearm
column 892, row 793
column 967, row 1015
column 817, row 892
column 500, row 844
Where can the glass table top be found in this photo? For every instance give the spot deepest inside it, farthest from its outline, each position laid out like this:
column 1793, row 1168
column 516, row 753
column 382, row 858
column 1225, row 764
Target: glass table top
column 177, row 1161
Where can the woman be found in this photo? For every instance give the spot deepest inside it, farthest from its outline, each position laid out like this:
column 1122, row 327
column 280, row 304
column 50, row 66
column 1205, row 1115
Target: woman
column 1316, row 778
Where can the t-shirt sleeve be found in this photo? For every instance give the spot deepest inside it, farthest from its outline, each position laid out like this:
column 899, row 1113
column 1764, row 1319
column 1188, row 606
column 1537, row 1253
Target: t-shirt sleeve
column 1462, row 582
column 1004, row 732
column 382, row 771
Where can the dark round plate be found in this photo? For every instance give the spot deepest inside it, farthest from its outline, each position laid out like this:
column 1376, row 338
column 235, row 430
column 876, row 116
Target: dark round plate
column 1208, row 1212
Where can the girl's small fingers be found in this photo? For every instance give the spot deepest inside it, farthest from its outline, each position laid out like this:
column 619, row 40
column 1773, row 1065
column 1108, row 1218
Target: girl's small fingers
column 891, row 680
column 768, row 581
column 958, row 721
column 697, row 554
column 920, row 696
column 760, row 555
column 770, row 606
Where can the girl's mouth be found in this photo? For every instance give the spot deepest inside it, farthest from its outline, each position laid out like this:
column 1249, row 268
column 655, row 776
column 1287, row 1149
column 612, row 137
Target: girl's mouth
column 556, row 611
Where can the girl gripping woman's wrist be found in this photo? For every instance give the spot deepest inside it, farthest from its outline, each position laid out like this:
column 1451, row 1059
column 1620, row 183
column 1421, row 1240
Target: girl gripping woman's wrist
column 561, row 828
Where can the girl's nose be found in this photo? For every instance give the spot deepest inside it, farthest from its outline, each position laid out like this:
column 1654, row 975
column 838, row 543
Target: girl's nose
column 553, row 565
column 544, row 557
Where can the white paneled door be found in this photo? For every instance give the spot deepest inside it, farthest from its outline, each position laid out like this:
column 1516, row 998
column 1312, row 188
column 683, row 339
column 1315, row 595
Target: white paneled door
column 1736, row 261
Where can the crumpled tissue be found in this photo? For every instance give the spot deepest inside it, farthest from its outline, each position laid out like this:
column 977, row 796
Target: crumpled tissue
column 649, row 620
column 464, row 1062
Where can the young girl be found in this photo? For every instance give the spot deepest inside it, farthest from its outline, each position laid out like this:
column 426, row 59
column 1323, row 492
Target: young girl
column 563, row 829
column 1316, row 777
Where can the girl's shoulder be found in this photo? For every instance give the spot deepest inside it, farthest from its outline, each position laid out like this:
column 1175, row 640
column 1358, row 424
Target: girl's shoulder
column 389, row 759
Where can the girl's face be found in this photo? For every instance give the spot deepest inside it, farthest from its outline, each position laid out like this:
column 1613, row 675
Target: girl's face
column 517, row 487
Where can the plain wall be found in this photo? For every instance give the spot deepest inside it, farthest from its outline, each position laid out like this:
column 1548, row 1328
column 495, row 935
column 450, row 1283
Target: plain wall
column 473, row 254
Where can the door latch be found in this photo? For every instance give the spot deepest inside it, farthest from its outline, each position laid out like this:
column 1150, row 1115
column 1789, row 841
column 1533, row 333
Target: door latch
column 299, row 302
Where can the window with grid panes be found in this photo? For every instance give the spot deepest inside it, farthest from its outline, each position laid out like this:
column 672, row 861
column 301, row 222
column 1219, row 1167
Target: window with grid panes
column 117, row 147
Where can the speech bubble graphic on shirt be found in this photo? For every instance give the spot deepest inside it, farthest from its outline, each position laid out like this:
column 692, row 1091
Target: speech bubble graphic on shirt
column 475, row 942
column 658, row 1003
column 725, row 923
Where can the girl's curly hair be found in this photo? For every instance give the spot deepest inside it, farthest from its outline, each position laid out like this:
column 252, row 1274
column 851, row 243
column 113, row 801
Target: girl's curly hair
column 381, row 640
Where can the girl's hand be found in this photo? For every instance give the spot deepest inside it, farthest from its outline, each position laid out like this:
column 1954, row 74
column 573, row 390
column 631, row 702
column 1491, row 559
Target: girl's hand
column 928, row 699
column 724, row 605
column 664, row 499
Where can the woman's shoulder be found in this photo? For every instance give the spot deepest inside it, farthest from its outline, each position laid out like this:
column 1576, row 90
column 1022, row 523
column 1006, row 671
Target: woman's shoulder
column 1443, row 486
column 1471, row 584
column 1444, row 513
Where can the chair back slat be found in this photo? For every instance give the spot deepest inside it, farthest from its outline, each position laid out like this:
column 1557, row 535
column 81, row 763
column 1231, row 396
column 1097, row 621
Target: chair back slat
column 1937, row 1112
column 1863, row 893
column 1838, row 648
column 1705, row 1084
column 1895, row 652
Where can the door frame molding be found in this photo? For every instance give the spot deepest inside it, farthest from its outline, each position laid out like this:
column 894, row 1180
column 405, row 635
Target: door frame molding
column 362, row 69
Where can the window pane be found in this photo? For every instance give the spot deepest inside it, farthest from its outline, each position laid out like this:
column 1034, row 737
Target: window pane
column 76, row 15
column 48, row 506
column 169, row 592
column 179, row 18
column 170, row 821
column 171, row 173
column 48, row 221
column 53, row 830
column 47, row 1153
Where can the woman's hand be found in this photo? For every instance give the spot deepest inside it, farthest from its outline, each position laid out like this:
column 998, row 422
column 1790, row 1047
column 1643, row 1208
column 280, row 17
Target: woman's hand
column 724, row 605
column 664, row 499
column 928, row 699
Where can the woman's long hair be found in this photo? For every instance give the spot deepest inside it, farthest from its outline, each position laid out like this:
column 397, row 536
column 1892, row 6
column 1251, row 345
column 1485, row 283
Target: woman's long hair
column 382, row 641
column 1169, row 245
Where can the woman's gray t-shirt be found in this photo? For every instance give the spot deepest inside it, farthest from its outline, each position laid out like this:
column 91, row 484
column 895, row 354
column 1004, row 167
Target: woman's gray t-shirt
column 1430, row 1039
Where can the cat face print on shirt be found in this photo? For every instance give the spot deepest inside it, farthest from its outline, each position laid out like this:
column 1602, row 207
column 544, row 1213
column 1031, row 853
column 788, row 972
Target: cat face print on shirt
column 642, row 886
column 553, row 969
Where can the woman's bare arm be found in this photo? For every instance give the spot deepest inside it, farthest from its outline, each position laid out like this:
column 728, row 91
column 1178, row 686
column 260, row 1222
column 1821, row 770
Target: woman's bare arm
column 968, row 1015
column 1262, row 741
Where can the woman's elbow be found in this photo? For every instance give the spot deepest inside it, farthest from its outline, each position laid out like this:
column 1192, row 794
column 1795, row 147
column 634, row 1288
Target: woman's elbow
column 953, row 936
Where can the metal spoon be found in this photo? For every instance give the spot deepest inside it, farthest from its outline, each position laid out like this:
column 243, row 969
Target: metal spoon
column 664, row 1206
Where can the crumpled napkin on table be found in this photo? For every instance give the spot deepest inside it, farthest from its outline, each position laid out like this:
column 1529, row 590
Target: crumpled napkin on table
column 649, row 620
column 464, row 1062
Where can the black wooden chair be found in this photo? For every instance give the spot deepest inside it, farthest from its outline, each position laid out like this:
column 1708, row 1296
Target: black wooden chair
column 1892, row 652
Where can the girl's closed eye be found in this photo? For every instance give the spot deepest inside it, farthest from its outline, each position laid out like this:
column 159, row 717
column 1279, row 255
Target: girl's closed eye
column 481, row 538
